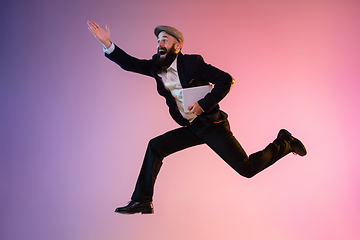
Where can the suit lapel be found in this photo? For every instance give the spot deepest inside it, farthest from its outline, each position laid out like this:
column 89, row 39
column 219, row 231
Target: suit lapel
column 180, row 68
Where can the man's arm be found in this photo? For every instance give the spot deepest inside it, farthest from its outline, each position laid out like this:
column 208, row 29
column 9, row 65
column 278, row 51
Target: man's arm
column 130, row 63
column 222, row 83
column 117, row 55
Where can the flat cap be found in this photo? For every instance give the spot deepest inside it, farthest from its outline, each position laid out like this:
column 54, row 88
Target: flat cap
column 171, row 31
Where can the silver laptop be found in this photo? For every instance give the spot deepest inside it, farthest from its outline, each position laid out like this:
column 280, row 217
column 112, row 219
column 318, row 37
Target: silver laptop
column 194, row 94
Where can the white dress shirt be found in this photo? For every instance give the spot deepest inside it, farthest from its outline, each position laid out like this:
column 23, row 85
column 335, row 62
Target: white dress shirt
column 170, row 78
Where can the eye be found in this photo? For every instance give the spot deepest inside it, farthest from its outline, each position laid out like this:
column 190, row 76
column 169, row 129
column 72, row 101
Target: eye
column 163, row 40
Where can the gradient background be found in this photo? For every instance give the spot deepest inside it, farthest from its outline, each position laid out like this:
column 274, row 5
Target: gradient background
column 74, row 126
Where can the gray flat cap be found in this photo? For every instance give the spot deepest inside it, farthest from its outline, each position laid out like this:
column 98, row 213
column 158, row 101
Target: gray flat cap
column 170, row 30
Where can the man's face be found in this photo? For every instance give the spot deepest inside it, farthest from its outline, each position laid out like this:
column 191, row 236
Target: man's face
column 165, row 43
column 167, row 49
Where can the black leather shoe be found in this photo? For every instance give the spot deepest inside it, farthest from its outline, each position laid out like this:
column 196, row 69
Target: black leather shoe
column 136, row 207
column 296, row 145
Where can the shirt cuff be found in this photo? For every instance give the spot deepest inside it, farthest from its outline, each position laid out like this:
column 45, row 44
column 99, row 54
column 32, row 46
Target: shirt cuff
column 110, row 49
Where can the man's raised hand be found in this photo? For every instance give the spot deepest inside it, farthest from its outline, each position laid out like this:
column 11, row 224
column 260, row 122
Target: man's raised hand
column 100, row 34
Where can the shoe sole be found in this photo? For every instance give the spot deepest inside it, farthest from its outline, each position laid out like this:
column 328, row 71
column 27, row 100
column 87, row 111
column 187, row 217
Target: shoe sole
column 130, row 213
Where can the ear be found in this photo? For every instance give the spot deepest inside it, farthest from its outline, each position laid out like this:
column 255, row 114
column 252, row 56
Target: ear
column 178, row 46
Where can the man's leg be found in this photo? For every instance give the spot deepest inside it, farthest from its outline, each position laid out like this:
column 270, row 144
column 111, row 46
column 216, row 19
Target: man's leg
column 158, row 148
column 220, row 138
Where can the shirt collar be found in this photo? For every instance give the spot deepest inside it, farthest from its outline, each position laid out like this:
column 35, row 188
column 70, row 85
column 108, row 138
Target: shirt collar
column 173, row 65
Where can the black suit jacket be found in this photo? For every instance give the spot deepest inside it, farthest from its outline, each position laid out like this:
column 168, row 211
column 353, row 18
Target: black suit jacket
column 193, row 71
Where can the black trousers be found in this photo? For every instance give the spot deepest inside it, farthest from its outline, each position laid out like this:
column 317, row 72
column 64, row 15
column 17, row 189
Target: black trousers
column 219, row 138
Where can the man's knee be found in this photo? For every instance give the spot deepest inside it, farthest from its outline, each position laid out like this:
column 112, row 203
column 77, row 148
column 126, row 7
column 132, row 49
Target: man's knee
column 247, row 174
column 246, row 169
column 154, row 144
column 156, row 147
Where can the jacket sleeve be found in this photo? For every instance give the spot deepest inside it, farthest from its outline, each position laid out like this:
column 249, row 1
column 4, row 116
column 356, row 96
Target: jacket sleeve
column 222, row 83
column 129, row 63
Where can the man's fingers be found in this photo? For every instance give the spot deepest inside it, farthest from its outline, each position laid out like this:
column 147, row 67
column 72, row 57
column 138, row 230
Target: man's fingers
column 92, row 25
column 191, row 108
column 195, row 109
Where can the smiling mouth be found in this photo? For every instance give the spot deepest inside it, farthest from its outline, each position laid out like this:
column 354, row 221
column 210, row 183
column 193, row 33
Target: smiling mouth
column 162, row 52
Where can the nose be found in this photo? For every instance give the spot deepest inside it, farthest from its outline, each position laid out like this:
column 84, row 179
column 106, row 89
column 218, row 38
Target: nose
column 162, row 42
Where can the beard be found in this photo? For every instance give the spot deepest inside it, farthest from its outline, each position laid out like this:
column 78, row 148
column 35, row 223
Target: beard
column 168, row 59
